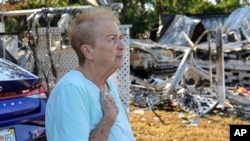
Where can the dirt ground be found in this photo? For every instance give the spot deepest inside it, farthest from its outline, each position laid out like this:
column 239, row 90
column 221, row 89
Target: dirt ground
column 175, row 125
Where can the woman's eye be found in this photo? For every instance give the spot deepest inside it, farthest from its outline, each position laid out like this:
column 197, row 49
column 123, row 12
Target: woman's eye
column 114, row 39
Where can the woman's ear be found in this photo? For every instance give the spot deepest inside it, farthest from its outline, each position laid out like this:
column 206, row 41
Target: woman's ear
column 87, row 51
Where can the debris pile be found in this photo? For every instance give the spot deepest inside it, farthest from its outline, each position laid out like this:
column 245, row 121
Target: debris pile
column 195, row 73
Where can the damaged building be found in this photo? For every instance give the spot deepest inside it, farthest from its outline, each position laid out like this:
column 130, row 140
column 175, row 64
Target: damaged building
column 194, row 67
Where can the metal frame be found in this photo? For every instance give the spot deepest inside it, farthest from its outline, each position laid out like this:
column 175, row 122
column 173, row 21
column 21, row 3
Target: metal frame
column 65, row 58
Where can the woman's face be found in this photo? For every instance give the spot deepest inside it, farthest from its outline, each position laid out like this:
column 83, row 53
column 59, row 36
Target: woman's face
column 108, row 49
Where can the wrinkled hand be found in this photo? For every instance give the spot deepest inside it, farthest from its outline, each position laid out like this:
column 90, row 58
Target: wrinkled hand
column 110, row 112
column 109, row 106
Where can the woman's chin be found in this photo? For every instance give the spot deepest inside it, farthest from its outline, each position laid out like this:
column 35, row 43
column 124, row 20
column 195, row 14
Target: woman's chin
column 119, row 65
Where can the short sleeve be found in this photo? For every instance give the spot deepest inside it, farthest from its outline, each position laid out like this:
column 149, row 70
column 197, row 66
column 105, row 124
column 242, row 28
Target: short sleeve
column 72, row 120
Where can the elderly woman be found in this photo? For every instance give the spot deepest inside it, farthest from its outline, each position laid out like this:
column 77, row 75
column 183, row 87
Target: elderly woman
column 84, row 105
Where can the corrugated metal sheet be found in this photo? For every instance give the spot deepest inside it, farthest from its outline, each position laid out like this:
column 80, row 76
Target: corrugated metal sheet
column 209, row 20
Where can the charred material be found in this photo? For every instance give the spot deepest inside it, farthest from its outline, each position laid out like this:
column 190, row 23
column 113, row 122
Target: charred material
column 148, row 58
column 205, row 70
column 173, row 25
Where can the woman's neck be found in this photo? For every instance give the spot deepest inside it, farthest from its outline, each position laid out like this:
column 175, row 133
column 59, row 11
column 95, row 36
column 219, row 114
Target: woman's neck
column 97, row 78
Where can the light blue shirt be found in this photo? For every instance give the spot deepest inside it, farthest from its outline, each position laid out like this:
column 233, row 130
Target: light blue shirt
column 74, row 110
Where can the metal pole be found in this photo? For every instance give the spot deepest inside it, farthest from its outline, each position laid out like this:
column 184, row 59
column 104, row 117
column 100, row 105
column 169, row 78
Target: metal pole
column 220, row 67
column 30, row 11
column 2, row 20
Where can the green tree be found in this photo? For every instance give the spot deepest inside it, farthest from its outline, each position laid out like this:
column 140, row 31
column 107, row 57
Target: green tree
column 140, row 15
column 228, row 6
column 137, row 13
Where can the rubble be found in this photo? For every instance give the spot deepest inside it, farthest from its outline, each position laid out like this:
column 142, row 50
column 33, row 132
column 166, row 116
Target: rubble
column 198, row 76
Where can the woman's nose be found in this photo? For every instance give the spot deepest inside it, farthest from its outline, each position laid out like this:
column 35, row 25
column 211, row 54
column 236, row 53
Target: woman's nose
column 121, row 45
